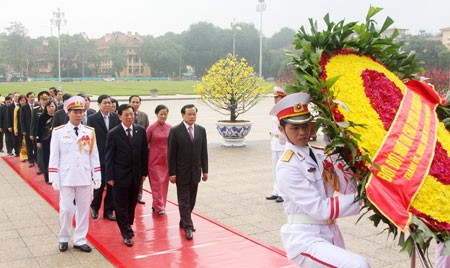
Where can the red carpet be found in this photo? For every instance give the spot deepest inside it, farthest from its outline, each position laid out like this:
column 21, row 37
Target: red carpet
column 160, row 243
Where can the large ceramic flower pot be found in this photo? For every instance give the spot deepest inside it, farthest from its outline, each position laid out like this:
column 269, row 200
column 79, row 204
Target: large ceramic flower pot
column 233, row 133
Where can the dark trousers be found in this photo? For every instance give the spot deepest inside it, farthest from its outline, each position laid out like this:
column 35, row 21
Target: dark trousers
column 125, row 200
column 17, row 143
column 9, row 140
column 40, row 159
column 31, row 149
column 108, row 202
column 46, row 157
column 187, row 195
column 1, row 140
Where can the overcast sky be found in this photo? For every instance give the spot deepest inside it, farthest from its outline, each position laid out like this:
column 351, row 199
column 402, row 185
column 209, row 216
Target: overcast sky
column 156, row 17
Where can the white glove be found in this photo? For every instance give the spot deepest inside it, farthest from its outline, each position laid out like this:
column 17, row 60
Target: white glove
column 97, row 184
column 55, row 185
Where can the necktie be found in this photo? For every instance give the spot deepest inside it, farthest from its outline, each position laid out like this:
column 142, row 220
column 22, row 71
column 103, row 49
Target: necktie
column 135, row 118
column 130, row 138
column 312, row 155
column 106, row 121
column 76, row 130
column 190, row 133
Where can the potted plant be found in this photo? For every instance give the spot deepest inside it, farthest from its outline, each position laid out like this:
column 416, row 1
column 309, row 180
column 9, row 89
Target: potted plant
column 231, row 87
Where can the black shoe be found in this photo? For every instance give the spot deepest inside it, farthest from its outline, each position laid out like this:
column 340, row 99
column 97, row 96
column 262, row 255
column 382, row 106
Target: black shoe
column 39, row 172
column 84, row 248
column 17, row 155
column 279, row 199
column 63, row 246
column 182, row 227
column 110, row 217
column 128, row 242
column 9, row 154
column 141, row 202
column 188, row 234
column 272, row 197
column 94, row 213
column 31, row 165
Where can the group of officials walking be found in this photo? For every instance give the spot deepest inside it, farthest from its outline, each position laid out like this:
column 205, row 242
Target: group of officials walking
column 115, row 153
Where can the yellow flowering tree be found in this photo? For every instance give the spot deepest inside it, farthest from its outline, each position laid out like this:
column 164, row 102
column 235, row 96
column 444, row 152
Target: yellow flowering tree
column 231, row 87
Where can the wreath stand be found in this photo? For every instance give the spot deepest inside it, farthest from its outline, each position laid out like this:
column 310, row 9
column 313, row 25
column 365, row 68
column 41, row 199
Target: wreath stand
column 422, row 258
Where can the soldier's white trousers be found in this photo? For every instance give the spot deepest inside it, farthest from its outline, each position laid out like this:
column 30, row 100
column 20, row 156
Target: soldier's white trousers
column 82, row 196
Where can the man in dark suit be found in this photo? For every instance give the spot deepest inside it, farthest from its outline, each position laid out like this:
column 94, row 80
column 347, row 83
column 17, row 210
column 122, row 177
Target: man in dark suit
column 188, row 159
column 60, row 117
column 26, row 114
column 141, row 119
column 89, row 111
column 15, row 141
column 126, row 168
column 102, row 121
column 4, row 126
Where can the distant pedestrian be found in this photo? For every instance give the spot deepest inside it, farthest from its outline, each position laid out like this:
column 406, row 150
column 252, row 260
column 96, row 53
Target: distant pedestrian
column 74, row 165
column 158, row 174
column 43, row 98
column 44, row 135
column 114, row 105
column 25, row 125
column 18, row 136
column 277, row 144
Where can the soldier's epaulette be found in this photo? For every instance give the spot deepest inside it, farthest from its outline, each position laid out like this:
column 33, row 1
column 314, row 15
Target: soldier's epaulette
column 89, row 127
column 287, row 155
column 36, row 107
column 318, row 147
column 58, row 127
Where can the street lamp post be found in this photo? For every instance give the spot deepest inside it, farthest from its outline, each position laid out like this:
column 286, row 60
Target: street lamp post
column 235, row 28
column 58, row 20
column 261, row 7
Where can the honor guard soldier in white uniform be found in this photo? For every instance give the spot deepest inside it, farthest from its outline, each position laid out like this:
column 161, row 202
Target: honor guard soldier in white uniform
column 277, row 143
column 311, row 236
column 73, row 166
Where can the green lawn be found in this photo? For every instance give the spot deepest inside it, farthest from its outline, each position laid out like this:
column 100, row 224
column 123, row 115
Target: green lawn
column 116, row 88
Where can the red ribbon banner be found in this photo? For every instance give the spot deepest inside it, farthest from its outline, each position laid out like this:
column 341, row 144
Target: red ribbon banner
column 405, row 156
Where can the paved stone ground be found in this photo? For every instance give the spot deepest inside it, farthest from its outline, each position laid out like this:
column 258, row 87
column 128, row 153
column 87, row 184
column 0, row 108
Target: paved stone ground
column 240, row 178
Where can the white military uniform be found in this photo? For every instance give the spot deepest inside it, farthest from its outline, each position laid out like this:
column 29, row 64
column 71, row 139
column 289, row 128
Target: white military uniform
column 311, row 237
column 277, row 145
column 74, row 163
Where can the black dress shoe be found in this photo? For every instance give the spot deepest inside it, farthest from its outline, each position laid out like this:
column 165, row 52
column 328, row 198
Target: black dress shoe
column 272, row 197
column 63, row 246
column 182, row 227
column 94, row 213
column 128, row 242
column 84, row 248
column 39, row 172
column 279, row 199
column 31, row 165
column 110, row 217
column 188, row 234
column 141, row 202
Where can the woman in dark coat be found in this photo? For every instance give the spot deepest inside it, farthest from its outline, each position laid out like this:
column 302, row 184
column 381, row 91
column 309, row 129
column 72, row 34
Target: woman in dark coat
column 44, row 133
